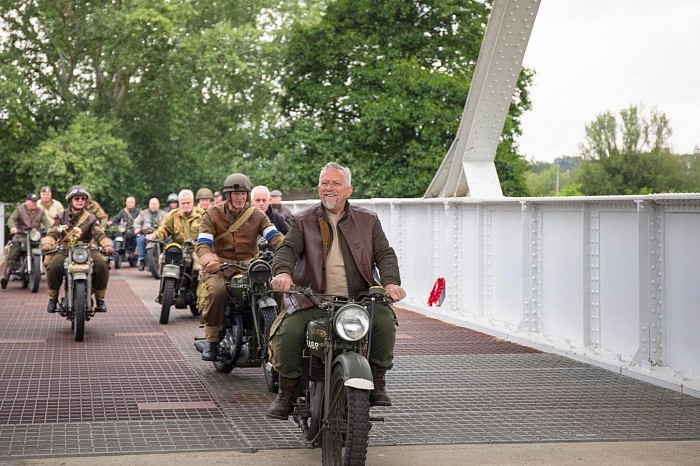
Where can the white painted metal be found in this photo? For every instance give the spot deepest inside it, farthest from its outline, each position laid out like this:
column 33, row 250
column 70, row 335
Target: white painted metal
column 612, row 281
column 468, row 167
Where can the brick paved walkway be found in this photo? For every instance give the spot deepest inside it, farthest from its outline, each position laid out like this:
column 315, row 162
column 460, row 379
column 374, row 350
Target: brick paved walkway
column 134, row 386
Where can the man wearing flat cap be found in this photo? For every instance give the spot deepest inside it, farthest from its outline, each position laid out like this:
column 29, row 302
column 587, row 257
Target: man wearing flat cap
column 27, row 216
column 276, row 204
column 50, row 205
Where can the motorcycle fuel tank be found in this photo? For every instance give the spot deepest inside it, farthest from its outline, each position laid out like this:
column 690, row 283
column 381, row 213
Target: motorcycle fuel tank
column 316, row 332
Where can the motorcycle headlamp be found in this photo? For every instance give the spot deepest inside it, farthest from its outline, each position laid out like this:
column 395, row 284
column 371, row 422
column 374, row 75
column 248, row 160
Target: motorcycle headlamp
column 80, row 255
column 34, row 235
column 259, row 271
column 172, row 254
column 121, row 228
column 351, row 322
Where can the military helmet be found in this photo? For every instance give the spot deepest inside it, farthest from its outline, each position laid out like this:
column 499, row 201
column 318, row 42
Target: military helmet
column 172, row 197
column 77, row 190
column 204, row 193
column 237, row 182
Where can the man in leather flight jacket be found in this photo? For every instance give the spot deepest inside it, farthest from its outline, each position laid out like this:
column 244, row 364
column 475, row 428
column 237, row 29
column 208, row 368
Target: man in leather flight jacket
column 337, row 249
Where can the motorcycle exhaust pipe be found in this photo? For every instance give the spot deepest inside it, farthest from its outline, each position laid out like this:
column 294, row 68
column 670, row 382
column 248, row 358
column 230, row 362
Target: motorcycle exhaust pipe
column 302, row 423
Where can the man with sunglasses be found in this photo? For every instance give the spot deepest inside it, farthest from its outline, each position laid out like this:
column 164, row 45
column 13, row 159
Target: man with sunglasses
column 76, row 215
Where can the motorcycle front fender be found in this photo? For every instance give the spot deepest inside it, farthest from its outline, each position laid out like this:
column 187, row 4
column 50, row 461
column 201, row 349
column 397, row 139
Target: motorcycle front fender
column 356, row 370
column 267, row 301
column 36, row 251
column 79, row 276
column 170, row 271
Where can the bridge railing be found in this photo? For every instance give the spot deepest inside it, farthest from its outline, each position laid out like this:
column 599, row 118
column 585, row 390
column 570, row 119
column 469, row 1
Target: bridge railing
column 613, row 281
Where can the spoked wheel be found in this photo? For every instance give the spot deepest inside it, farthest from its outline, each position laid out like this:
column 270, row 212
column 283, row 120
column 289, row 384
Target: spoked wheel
column 117, row 256
column 234, row 334
column 345, row 439
column 152, row 255
column 35, row 276
column 79, row 310
column 268, row 314
column 167, row 299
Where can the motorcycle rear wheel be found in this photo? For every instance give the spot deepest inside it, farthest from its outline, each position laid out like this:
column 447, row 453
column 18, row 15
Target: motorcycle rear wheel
column 268, row 314
column 79, row 310
column 344, row 441
column 35, row 276
column 166, row 300
column 225, row 364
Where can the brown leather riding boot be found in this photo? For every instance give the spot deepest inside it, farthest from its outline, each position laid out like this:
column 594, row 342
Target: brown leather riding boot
column 378, row 396
column 6, row 277
column 283, row 405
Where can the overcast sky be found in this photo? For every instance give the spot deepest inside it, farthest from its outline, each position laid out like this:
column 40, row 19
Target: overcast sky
column 592, row 56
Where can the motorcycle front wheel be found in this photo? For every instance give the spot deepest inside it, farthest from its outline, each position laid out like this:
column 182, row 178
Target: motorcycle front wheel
column 35, row 276
column 167, row 299
column 152, row 255
column 79, row 310
column 117, row 255
column 225, row 363
column 268, row 314
column 344, row 440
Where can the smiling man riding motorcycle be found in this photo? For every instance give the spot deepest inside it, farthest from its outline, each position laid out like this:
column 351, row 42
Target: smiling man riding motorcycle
column 230, row 228
column 75, row 215
column 336, row 249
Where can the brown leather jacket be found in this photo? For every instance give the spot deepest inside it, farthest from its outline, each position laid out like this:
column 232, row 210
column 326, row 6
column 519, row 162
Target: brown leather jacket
column 242, row 244
column 369, row 260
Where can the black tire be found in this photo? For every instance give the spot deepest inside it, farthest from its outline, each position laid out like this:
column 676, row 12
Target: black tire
column 193, row 286
column 193, row 308
column 344, row 441
column 117, row 256
column 224, row 364
column 79, row 310
column 268, row 316
column 166, row 300
column 35, row 276
column 152, row 255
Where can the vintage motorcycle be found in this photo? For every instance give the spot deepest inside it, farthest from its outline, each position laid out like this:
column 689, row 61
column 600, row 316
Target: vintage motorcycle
column 124, row 245
column 28, row 270
column 178, row 279
column 76, row 303
column 333, row 409
column 248, row 318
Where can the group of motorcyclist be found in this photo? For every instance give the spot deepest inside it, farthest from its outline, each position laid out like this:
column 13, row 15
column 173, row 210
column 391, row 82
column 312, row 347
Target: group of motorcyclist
column 337, row 248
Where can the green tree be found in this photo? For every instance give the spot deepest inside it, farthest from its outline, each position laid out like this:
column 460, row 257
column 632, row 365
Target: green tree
column 86, row 153
column 629, row 155
column 385, row 91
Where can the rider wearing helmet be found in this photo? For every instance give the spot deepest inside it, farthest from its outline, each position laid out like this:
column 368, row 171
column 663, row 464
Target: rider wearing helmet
column 204, row 197
column 172, row 203
column 230, row 228
column 76, row 216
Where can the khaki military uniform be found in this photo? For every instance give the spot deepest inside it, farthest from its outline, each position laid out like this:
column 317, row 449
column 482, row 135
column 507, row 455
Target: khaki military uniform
column 96, row 209
column 90, row 230
column 215, row 242
column 52, row 210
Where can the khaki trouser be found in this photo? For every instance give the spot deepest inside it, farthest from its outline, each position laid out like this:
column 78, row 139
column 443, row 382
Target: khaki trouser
column 214, row 305
column 54, row 273
column 288, row 339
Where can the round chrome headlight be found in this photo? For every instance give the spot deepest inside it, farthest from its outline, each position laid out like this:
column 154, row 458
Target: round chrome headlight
column 121, row 228
column 351, row 322
column 80, row 255
column 34, row 235
column 259, row 271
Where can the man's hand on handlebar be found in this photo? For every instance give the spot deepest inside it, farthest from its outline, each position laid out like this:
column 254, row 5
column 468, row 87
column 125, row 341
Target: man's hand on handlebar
column 212, row 266
column 395, row 292
column 281, row 282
